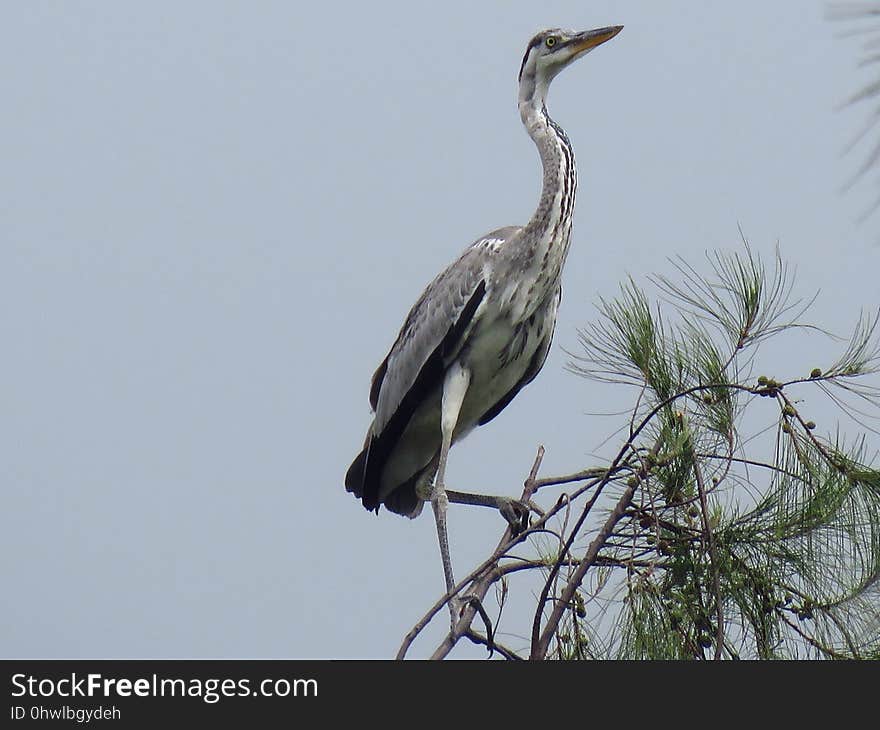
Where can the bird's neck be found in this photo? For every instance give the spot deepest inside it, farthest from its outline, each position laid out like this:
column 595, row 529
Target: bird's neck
column 549, row 230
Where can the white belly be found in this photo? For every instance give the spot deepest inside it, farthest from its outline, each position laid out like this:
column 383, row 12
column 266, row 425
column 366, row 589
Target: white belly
column 496, row 363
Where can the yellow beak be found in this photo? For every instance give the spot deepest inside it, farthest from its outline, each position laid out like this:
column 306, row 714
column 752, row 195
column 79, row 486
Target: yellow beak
column 589, row 39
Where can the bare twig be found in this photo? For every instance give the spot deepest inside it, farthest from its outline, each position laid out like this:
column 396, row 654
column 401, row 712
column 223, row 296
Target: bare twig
column 487, row 569
column 487, row 577
column 541, row 642
column 595, row 473
column 827, row 650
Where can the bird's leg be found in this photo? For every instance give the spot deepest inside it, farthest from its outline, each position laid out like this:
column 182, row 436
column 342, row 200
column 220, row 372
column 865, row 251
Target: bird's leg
column 455, row 387
column 515, row 511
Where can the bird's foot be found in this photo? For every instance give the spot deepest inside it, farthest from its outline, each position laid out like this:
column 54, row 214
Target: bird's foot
column 516, row 512
column 457, row 607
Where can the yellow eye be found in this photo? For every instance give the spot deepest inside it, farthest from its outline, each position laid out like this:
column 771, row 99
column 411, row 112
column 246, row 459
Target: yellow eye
column 551, row 41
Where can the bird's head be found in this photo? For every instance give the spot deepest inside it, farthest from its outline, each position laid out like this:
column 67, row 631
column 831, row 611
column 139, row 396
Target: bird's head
column 552, row 50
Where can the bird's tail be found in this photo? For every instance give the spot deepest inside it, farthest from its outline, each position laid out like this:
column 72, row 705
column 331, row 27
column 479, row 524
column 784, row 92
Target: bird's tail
column 354, row 477
column 403, row 500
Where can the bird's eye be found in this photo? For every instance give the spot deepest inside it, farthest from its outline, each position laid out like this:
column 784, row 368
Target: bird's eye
column 551, row 41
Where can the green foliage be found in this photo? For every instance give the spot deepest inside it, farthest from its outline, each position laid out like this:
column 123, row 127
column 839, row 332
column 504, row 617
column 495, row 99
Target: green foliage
column 726, row 550
column 725, row 525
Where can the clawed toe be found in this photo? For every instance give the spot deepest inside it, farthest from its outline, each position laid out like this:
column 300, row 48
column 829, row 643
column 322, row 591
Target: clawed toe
column 457, row 606
column 516, row 513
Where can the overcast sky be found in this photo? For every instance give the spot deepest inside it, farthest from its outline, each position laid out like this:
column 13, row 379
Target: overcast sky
column 214, row 217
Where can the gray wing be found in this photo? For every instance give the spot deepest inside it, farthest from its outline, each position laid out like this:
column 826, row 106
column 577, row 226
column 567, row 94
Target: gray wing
column 436, row 315
column 429, row 340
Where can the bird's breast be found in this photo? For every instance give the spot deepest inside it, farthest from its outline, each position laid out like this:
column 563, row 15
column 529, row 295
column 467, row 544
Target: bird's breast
column 497, row 357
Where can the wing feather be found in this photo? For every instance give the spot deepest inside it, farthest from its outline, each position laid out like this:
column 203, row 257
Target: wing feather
column 431, row 318
column 429, row 340
column 382, row 441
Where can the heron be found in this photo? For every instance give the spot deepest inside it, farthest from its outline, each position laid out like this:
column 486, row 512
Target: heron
column 481, row 330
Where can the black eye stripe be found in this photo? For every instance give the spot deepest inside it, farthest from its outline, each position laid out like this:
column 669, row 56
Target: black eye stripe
column 536, row 42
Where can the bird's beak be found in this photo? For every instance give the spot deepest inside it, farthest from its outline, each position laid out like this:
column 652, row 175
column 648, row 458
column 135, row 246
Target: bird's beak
column 589, row 39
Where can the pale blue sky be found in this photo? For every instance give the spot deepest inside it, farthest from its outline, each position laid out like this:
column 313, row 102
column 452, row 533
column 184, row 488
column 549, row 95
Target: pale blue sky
column 214, row 217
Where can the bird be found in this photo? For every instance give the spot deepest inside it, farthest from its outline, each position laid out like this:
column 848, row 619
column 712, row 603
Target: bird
column 481, row 330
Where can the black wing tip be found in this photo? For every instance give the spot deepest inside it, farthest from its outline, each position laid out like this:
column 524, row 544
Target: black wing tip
column 402, row 501
column 354, row 477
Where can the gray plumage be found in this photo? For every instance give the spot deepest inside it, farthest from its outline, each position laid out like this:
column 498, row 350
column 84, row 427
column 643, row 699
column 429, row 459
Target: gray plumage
column 482, row 328
column 497, row 348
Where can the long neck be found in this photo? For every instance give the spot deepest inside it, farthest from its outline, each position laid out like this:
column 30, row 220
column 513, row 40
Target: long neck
column 549, row 230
